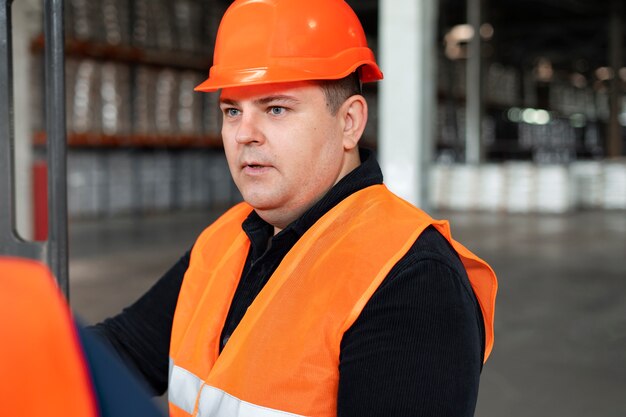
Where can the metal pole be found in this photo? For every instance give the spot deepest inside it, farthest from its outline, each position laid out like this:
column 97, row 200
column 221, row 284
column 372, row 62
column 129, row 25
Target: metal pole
column 10, row 242
column 57, row 150
column 473, row 107
column 616, row 60
column 53, row 252
column 7, row 206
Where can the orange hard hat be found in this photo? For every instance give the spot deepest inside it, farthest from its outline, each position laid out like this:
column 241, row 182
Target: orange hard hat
column 273, row 41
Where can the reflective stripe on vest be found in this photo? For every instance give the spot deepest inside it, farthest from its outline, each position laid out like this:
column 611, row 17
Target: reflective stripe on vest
column 184, row 388
column 187, row 387
column 284, row 354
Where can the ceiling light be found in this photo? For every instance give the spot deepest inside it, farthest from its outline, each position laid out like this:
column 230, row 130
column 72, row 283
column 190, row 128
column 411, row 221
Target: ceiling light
column 514, row 114
column 544, row 70
column 531, row 116
column 541, row 117
column 486, row 31
column 460, row 33
column 604, row 73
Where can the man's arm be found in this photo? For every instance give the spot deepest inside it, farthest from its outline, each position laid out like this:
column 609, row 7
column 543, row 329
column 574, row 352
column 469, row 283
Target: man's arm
column 140, row 334
column 417, row 347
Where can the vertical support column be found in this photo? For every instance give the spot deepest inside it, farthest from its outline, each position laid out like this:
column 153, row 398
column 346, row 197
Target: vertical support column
column 27, row 25
column 7, row 186
column 616, row 60
column 54, row 251
column 407, row 96
column 474, row 153
column 57, row 148
column 10, row 243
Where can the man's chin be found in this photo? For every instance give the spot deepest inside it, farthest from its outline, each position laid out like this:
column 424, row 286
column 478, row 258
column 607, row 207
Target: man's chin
column 260, row 203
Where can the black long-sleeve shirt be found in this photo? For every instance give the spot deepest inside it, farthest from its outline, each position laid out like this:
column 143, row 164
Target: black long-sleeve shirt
column 415, row 350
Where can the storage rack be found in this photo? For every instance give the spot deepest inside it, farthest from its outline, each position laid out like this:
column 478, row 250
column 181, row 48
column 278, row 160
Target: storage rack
column 139, row 139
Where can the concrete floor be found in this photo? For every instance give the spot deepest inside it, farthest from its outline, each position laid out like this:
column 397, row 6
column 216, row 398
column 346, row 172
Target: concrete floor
column 560, row 347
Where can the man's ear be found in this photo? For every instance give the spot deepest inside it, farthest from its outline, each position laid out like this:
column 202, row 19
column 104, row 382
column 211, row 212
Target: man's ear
column 354, row 114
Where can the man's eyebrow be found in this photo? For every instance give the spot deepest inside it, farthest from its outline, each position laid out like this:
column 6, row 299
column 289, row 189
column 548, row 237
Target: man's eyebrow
column 228, row 102
column 277, row 98
column 263, row 100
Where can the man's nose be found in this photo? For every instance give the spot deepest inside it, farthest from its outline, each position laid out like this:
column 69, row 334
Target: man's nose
column 248, row 130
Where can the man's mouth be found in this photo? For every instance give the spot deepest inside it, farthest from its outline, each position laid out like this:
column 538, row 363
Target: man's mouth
column 254, row 164
column 255, row 167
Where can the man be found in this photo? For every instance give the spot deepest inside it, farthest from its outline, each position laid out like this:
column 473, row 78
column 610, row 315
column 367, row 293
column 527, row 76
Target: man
column 323, row 294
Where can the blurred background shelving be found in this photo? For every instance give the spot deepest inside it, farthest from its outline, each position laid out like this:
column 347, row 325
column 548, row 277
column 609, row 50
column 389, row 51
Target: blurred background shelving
column 140, row 140
column 547, row 81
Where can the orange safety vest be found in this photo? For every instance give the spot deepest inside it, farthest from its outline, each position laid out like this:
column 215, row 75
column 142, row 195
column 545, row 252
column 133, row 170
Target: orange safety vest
column 43, row 371
column 283, row 357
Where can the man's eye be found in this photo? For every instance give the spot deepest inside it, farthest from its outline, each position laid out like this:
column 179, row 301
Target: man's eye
column 277, row 111
column 231, row 112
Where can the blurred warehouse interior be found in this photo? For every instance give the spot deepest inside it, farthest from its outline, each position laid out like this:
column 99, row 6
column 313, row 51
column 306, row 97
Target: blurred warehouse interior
column 550, row 101
column 514, row 128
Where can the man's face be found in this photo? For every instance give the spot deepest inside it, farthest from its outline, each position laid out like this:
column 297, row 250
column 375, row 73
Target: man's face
column 283, row 146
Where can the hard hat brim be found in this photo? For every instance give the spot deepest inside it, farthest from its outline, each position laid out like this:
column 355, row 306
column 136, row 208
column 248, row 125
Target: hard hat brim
column 289, row 70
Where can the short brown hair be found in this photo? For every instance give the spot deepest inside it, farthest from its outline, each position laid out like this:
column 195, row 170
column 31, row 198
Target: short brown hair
column 338, row 91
